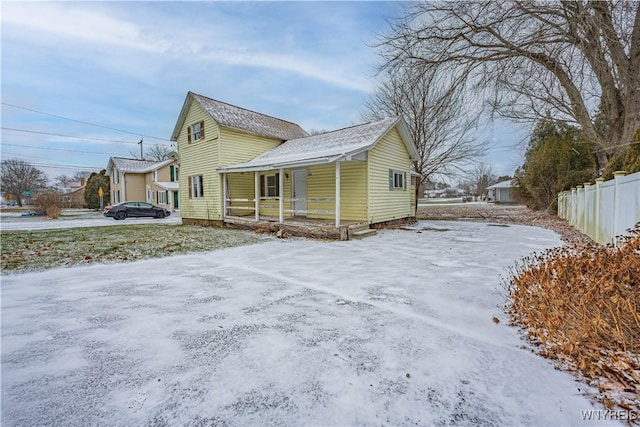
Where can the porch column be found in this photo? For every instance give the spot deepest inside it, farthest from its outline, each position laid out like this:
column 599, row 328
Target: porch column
column 224, row 196
column 338, row 194
column 281, row 193
column 257, row 195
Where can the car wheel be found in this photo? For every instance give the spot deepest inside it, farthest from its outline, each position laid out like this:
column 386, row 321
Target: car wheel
column 160, row 214
column 120, row 215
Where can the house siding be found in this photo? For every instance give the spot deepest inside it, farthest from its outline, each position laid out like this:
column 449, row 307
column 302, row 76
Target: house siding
column 135, row 187
column 200, row 158
column 239, row 147
column 386, row 204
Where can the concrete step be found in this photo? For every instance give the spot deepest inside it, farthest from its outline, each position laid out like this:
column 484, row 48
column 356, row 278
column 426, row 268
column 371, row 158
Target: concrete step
column 361, row 234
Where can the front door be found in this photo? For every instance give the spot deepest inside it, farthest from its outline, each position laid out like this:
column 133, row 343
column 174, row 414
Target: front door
column 300, row 192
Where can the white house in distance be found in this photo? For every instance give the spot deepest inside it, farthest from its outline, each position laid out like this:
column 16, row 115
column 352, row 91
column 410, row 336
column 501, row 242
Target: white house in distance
column 501, row 192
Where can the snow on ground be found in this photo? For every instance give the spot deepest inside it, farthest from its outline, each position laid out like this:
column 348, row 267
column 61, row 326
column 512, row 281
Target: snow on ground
column 395, row 329
column 14, row 221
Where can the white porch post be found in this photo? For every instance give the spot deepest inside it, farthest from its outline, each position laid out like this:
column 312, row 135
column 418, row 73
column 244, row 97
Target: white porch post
column 224, row 196
column 281, row 195
column 257, row 195
column 338, row 194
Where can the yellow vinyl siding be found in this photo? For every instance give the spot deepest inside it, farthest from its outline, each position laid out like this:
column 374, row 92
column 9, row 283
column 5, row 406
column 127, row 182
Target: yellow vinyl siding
column 135, row 187
column 239, row 147
column 321, row 183
column 200, row 158
column 386, row 204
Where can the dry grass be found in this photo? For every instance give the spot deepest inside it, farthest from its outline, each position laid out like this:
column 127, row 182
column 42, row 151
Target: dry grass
column 24, row 251
column 581, row 306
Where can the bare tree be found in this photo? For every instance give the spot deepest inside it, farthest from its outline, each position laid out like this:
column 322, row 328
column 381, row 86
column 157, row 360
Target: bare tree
column 570, row 59
column 482, row 177
column 434, row 107
column 63, row 181
column 18, row 176
column 155, row 152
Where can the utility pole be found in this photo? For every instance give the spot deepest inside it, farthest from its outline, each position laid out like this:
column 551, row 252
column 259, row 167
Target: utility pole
column 141, row 151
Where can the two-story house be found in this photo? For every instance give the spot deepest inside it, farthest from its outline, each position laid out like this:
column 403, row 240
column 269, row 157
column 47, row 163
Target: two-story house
column 238, row 164
column 144, row 180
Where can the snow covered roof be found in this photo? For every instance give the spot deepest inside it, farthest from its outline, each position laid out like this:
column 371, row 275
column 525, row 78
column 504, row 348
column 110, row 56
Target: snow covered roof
column 503, row 184
column 168, row 185
column 134, row 165
column 239, row 118
column 326, row 147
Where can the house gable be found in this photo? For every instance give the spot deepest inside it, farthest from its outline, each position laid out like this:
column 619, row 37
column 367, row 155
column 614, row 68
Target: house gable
column 389, row 155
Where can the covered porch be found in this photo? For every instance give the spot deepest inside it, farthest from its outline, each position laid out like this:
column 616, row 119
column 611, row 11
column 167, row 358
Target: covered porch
column 327, row 193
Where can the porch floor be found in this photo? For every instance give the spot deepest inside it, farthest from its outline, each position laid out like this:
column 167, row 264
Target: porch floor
column 299, row 221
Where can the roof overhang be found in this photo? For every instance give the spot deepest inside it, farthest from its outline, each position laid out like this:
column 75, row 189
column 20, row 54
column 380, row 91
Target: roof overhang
column 245, row 167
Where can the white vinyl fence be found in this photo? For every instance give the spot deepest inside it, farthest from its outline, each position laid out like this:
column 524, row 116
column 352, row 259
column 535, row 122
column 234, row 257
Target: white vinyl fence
column 605, row 209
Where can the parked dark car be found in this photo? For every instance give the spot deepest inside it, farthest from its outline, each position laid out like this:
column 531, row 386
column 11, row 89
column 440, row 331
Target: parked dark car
column 134, row 209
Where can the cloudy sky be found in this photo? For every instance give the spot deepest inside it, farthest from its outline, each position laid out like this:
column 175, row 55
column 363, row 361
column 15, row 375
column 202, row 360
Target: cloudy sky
column 121, row 71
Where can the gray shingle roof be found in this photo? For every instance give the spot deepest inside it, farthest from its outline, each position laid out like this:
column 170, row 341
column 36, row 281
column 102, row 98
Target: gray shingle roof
column 247, row 120
column 324, row 147
column 134, row 165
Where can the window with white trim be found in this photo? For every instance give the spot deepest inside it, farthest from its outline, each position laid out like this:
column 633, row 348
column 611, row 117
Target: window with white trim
column 270, row 185
column 116, row 176
column 116, row 196
column 397, row 180
column 162, row 197
column 149, row 195
column 196, row 189
column 195, row 132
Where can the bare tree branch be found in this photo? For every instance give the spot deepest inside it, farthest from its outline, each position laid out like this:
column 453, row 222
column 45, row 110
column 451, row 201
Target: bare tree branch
column 569, row 60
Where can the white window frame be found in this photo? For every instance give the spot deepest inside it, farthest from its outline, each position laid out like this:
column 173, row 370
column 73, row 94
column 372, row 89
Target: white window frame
column 116, row 176
column 196, row 131
column 197, row 189
column 116, row 196
column 149, row 194
column 162, row 197
column 399, row 181
column 270, row 189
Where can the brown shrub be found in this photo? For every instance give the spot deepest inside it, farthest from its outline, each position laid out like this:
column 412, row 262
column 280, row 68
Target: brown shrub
column 53, row 212
column 49, row 202
column 581, row 306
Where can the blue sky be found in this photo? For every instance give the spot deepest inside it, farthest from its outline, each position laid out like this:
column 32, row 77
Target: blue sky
column 129, row 65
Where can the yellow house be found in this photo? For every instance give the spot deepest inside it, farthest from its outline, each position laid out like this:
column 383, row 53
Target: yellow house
column 144, row 180
column 239, row 166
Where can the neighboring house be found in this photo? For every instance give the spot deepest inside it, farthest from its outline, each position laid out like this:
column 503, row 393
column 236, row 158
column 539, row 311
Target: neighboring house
column 238, row 164
column 73, row 194
column 144, row 180
column 501, row 192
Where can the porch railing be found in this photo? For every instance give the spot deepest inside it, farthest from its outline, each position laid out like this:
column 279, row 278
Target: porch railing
column 242, row 204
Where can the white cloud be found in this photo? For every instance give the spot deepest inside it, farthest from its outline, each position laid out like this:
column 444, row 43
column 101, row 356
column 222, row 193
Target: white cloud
column 79, row 23
column 77, row 28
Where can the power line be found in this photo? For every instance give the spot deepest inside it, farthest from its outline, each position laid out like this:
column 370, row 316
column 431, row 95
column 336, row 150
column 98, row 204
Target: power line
column 62, row 166
column 57, row 149
column 83, row 122
column 72, row 136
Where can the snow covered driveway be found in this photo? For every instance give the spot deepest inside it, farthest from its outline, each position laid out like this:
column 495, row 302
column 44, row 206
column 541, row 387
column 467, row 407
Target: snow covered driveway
column 395, row 329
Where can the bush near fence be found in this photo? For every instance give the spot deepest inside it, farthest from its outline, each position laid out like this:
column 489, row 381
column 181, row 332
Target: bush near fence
column 581, row 306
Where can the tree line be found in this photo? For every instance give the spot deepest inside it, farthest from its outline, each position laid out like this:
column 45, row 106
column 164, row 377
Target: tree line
column 569, row 67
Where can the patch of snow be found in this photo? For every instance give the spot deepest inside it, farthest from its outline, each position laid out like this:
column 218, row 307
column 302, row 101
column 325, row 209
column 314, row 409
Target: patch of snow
column 395, row 329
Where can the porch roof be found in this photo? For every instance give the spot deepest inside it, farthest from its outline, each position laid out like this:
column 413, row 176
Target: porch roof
column 326, row 147
column 168, row 185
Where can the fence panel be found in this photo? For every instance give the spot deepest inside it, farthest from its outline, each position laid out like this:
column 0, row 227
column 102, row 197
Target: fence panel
column 605, row 210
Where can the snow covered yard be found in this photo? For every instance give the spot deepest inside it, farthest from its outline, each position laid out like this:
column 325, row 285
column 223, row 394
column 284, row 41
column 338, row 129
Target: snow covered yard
column 395, row 329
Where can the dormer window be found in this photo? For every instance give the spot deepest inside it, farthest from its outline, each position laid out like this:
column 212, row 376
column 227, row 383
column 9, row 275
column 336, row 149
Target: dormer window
column 195, row 132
